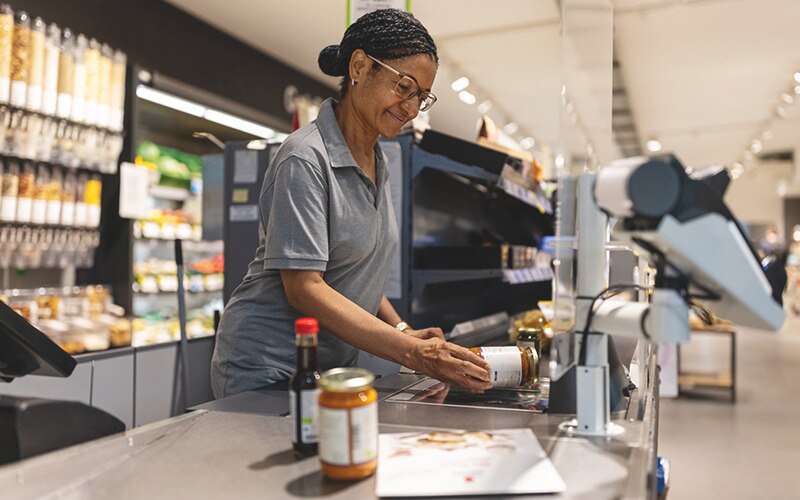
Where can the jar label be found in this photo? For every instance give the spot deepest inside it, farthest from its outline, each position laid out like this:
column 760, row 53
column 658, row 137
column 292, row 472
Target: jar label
column 308, row 415
column 24, row 209
column 8, row 208
column 364, row 423
column 39, row 214
column 334, row 446
column 5, row 88
column 506, row 365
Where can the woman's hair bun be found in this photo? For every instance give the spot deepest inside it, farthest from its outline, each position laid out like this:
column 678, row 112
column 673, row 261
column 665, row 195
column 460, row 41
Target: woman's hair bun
column 330, row 61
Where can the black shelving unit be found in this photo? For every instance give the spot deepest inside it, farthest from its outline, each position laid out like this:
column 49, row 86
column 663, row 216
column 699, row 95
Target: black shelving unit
column 448, row 202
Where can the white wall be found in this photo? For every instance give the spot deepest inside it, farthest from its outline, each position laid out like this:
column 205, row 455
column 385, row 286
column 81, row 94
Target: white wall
column 754, row 198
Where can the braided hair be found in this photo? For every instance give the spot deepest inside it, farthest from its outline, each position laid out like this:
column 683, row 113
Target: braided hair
column 383, row 34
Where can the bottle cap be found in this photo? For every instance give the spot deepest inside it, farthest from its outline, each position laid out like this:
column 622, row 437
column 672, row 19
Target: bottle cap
column 306, row 326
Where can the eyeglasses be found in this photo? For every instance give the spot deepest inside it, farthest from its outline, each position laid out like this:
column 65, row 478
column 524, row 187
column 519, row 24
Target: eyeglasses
column 407, row 88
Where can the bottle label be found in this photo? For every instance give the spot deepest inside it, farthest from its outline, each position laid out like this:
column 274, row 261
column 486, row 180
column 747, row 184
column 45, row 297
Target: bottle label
column 67, row 213
column 80, row 214
column 308, row 415
column 49, row 101
column 5, row 88
column 348, row 437
column 64, row 106
column 24, row 209
column 54, row 212
column 39, row 214
column 364, row 428
column 19, row 91
column 506, row 365
column 35, row 97
column 8, row 208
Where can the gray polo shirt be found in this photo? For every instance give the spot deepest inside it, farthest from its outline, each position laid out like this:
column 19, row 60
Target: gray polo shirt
column 318, row 211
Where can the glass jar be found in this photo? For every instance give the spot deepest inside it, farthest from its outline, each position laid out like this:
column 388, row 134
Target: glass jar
column 532, row 338
column 65, row 77
column 511, row 366
column 348, row 424
column 20, row 58
column 78, row 111
column 36, row 71
column 50, row 79
column 6, row 40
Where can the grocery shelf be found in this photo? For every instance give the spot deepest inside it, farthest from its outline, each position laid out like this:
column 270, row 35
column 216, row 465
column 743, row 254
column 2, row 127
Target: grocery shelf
column 421, row 278
column 160, row 292
column 15, row 109
column 198, row 246
column 526, row 196
column 423, row 159
column 51, row 163
column 527, row 275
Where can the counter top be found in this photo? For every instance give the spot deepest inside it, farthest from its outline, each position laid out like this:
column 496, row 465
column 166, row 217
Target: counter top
column 239, row 447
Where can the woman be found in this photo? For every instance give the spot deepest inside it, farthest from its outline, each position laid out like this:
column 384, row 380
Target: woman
column 327, row 228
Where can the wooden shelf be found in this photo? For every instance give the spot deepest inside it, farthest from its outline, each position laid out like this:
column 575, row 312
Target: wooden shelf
column 723, row 380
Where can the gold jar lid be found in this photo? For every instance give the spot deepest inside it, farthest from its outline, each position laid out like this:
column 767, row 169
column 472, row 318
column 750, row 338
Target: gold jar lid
column 533, row 366
column 346, row 379
column 529, row 333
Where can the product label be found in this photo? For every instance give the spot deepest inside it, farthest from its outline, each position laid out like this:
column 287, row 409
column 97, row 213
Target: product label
column 334, row 433
column 35, row 97
column 80, row 214
column 506, row 365
column 49, row 101
column 78, row 109
column 64, row 106
column 364, row 433
column 67, row 213
column 8, row 208
column 93, row 212
column 24, row 209
column 54, row 212
column 19, row 91
column 90, row 112
column 5, row 88
column 39, row 214
column 102, row 115
column 308, row 415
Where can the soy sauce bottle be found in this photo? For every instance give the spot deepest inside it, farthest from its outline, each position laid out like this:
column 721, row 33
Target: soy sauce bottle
column 303, row 391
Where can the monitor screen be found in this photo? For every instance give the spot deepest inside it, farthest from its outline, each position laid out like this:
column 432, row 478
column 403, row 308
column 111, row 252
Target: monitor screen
column 24, row 350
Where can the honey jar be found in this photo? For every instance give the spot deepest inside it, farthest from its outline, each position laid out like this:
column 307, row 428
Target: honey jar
column 348, row 424
column 511, row 366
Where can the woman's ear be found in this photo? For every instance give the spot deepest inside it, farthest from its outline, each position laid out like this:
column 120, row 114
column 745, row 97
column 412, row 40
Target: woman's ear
column 359, row 64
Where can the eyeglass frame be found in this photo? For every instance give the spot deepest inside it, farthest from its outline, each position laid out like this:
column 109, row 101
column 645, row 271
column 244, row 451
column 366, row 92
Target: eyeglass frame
column 402, row 75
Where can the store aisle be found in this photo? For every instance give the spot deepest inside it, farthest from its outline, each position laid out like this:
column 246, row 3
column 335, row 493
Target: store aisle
column 748, row 450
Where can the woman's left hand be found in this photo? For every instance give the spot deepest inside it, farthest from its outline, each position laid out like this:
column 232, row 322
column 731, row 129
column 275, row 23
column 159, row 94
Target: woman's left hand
column 425, row 333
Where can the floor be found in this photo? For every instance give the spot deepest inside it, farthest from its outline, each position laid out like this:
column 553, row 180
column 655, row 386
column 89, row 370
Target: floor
column 747, row 450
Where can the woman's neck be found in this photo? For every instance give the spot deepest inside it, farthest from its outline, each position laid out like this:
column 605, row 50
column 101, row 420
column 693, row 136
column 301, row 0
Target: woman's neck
column 359, row 138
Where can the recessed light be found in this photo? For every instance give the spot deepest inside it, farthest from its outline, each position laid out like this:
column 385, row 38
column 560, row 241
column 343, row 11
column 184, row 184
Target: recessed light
column 467, row 97
column 797, row 77
column 780, row 111
column 767, row 135
column 756, row 146
column 787, row 98
column 485, row 107
column 653, row 145
column 510, row 128
column 748, row 155
column 527, row 143
column 460, row 84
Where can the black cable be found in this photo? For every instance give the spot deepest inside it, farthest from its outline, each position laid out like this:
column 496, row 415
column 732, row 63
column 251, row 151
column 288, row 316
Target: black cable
column 614, row 289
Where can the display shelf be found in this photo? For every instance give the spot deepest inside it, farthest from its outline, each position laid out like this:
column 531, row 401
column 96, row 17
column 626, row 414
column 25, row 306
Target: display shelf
column 30, row 225
column 525, row 195
column 162, row 292
column 423, row 277
column 527, row 275
column 196, row 246
column 52, row 163
column 422, row 159
column 69, row 121
column 169, row 193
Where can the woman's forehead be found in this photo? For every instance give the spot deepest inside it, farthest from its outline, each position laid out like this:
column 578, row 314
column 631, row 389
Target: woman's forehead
column 421, row 67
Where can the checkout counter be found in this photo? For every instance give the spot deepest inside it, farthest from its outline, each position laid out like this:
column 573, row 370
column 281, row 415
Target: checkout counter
column 239, row 447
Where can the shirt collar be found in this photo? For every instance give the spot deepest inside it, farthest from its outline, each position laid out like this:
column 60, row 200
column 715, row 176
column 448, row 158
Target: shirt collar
column 338, row 152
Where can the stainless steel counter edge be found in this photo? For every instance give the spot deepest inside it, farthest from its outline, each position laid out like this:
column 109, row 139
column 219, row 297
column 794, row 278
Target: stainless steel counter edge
column 121, row 351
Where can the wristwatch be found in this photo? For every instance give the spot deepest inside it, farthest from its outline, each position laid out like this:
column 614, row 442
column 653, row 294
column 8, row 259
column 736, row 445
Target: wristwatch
column 402, row 326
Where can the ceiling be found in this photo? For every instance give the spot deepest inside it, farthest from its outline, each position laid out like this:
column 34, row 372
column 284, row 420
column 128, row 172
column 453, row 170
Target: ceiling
column 702, row 76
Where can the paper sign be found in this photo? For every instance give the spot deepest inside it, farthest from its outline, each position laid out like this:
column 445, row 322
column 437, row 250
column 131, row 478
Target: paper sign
column 440, row 464
column 357, row 8
column 133, row 194
column 240, row 195
column 245, row 166
column 243, row 213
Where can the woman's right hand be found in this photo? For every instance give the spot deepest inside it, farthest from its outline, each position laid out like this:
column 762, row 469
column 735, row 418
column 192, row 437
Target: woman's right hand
column 448, row 362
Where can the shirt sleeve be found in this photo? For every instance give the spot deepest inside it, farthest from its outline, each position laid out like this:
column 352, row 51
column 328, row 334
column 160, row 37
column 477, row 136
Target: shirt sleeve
column 297, row 222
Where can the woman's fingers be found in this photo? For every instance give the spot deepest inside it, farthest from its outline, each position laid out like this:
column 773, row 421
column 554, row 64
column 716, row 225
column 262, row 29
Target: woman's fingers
column 467, row 355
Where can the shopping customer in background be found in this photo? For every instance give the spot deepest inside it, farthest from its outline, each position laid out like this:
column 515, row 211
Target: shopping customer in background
column 327, row 225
